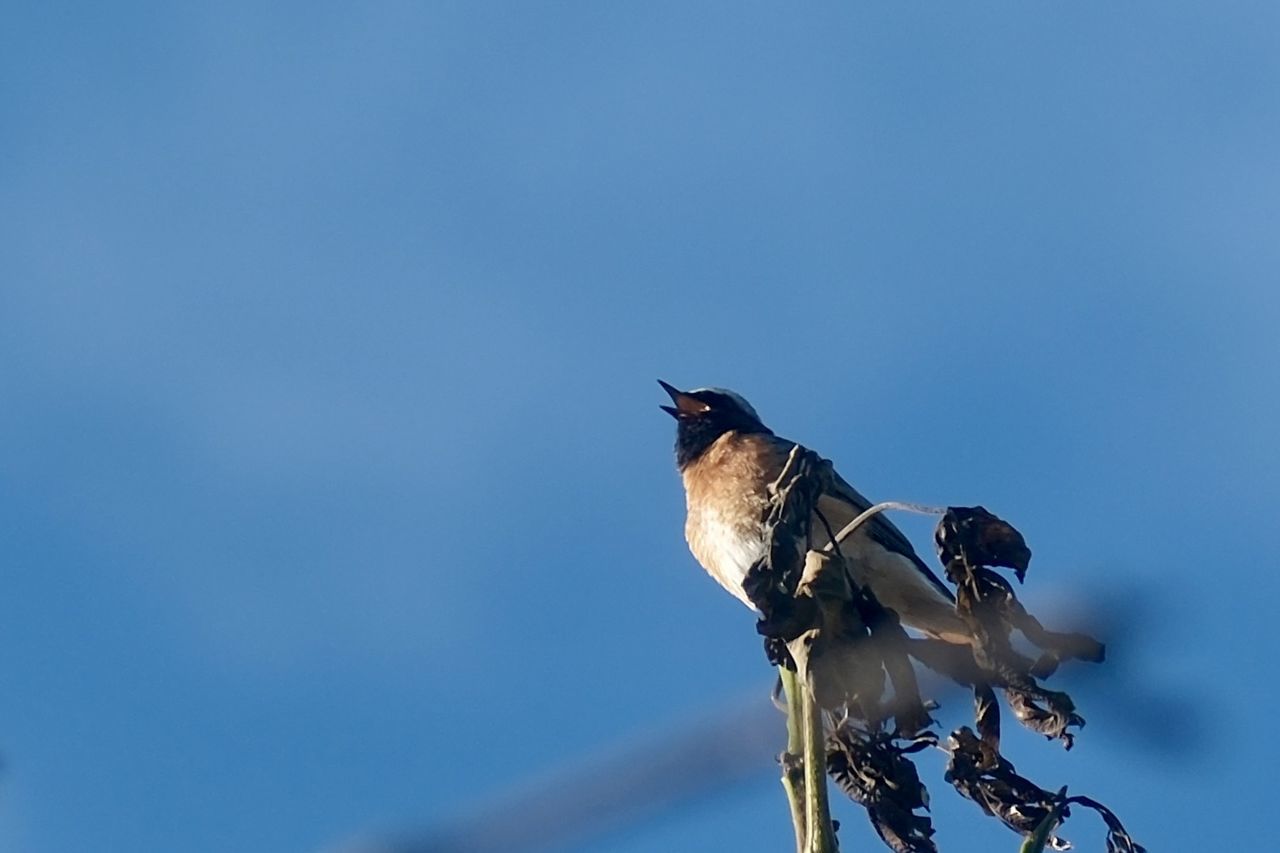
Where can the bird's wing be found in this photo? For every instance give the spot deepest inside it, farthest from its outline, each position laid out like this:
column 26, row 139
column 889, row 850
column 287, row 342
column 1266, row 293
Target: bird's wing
column 881, row 530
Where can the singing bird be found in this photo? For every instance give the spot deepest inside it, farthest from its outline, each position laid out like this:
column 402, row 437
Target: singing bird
column 728, row 458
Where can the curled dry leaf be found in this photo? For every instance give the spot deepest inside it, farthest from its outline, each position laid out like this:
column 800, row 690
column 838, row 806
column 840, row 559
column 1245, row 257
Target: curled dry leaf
column 872, row 769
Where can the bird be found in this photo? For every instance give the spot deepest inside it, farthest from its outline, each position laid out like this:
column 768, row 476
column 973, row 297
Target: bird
column 728, row 458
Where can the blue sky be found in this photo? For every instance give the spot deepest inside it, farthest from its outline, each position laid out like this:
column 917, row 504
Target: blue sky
column 336, row 497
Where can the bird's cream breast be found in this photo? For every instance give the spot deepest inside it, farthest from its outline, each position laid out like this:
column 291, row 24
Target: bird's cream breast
column 726, row 497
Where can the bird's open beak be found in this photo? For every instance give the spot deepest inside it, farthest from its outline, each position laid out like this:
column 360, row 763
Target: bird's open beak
column 684, row 404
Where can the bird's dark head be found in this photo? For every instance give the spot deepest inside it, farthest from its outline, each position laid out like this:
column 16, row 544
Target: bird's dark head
column 705, row 414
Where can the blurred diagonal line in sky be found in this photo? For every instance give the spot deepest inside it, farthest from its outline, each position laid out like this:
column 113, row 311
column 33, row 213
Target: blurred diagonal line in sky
column 602, row 793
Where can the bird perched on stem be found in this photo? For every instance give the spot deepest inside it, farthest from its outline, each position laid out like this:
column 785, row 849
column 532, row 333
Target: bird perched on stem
column 728, row 459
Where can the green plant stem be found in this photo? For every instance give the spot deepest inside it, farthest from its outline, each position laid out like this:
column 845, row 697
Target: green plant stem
column 806, row 785
column 822, row 836
column 1037, row 840
column 792, row 768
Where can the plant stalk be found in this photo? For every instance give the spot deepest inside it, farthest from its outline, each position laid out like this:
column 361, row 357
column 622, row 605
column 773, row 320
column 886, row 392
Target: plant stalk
column 1036, row 841
column 792, row 766
column 806, row 784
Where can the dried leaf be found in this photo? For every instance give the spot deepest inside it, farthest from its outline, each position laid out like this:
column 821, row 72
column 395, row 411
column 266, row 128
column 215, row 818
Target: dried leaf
column 997, row 788
column 982, row 539
column 873, row 771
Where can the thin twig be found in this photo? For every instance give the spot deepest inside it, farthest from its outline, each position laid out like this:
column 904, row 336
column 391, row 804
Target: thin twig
column 920, row 509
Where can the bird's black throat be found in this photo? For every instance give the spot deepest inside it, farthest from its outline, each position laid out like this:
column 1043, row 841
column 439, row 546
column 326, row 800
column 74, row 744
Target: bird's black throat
column 696, row 433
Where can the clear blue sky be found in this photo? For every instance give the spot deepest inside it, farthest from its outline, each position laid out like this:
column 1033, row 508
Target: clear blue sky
column 335, row 495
